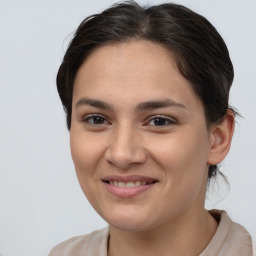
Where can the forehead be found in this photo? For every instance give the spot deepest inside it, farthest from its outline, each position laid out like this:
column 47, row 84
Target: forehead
column 138, row 70
column 146, row 55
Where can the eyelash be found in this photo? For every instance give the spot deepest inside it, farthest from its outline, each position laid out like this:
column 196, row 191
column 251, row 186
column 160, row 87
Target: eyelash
column 169, row 120
column 160, row 118
column 86, row 119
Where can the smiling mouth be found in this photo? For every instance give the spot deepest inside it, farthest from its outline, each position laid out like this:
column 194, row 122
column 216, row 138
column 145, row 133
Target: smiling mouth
column 129, row 184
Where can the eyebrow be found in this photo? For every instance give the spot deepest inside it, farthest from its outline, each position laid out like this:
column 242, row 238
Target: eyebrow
column 94, row 103
column 155, row 104
column 147, row 105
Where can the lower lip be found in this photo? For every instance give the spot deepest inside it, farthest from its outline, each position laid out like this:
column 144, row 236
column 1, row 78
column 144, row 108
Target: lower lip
column 127, row 191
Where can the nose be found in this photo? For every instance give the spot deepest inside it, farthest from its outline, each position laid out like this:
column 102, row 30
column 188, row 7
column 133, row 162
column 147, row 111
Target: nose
column 125, row 148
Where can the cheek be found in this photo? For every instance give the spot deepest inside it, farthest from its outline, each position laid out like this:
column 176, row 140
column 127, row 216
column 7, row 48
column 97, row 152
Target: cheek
column 184, row 159
column 184, row 163
column 86, row 152
column 183, row 149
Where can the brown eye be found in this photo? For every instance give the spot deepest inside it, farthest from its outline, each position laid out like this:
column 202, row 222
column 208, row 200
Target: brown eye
column 98, row 120
column 161, row 121
column 95, row 120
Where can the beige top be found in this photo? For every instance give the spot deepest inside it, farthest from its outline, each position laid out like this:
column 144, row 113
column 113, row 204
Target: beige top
column 230, row 239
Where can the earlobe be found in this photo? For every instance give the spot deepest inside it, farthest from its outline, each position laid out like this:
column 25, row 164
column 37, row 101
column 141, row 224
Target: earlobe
column 221, row 137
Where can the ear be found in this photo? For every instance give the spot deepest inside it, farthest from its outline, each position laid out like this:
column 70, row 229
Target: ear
column 220, row 138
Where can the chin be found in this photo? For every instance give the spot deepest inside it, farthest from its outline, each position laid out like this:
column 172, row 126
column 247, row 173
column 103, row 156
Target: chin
column 132, row 225
column 130, row 221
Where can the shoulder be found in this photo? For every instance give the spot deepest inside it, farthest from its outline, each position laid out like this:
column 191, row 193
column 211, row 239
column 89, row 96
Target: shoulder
column 94, row 243
column 239, row 240
column 230, row 239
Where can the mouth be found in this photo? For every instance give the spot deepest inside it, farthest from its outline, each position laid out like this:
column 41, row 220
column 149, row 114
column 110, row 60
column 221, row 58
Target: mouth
column 128, row 186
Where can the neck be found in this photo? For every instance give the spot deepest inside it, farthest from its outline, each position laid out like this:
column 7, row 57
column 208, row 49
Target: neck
column 189, row 234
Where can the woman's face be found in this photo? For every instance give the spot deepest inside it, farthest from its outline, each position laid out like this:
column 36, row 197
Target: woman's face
column 139, row 138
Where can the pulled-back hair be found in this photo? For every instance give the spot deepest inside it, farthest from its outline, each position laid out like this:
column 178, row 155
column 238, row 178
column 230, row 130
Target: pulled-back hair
column 199, row 51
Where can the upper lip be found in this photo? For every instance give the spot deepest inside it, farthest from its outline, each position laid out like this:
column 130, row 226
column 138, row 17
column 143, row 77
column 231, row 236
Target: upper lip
column 129, row 178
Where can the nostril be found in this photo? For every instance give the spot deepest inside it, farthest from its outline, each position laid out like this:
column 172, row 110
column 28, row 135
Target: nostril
column 125, row 157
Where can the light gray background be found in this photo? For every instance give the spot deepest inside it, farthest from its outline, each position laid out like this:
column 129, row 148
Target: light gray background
column 41, row 202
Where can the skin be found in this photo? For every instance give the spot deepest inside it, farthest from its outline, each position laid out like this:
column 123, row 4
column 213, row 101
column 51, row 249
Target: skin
column 169, row 218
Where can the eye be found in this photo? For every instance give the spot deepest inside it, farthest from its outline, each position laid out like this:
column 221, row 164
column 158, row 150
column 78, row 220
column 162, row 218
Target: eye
column 161, row 121
column 95, row 120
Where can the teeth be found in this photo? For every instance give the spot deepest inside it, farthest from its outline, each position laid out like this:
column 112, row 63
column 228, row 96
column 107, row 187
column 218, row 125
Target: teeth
column 138, row 183
column 127, row 184
column 130, row 184
column 121, row 184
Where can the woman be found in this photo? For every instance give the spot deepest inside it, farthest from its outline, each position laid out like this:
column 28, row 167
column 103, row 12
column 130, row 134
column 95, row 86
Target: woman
column 146, row 92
